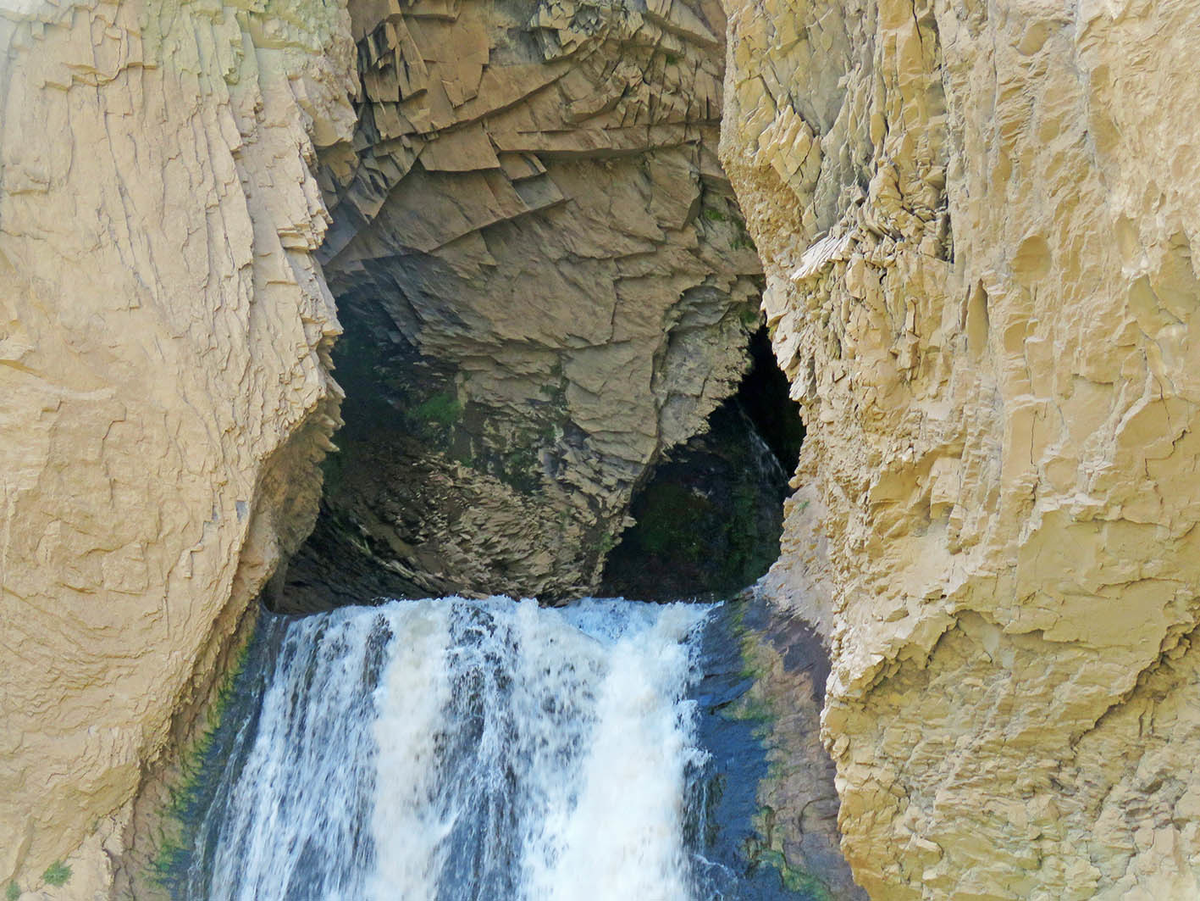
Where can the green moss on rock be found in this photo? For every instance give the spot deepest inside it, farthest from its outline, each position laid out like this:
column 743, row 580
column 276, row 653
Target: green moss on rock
column 57, row 874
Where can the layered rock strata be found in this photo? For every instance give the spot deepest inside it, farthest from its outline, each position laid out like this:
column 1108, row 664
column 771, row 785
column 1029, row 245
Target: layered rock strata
column 164, row 352
column 545, row 282
column 976, row 222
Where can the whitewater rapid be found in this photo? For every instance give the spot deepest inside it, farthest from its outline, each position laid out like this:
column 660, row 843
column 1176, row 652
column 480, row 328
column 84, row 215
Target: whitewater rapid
column 463, row 749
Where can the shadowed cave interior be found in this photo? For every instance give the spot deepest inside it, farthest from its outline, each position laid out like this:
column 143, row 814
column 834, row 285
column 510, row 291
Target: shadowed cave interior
column 707, row 517
column 710, row 515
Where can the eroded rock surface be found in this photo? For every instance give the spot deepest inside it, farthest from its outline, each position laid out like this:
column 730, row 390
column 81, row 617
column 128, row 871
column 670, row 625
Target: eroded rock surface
column 545, row 283
column 976, row 222
column 164, row 342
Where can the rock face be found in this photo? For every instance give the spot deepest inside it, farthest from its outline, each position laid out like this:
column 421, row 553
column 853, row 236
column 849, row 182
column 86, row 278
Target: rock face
column 544, row 279
column 976, row 222
column 547, row 284
column 164, row 353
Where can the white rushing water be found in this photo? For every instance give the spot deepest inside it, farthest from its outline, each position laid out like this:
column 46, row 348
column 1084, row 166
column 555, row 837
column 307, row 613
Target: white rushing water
column 453, row 749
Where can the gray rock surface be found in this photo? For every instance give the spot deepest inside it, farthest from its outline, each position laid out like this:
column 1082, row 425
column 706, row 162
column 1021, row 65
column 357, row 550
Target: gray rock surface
column 545, row 283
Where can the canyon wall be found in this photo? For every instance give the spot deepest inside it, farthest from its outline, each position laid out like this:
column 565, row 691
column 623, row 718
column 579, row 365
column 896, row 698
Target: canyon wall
column 164, row 353
column 976, row 221
column 545, row 283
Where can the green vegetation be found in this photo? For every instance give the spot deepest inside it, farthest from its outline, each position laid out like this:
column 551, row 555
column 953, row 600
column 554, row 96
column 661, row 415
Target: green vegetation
column 13, row 892
column 753, row 706
column 668, row 521
column 516, row 457
column 191, row 794
column 605, row 543
column 764, row 849
column 749, row 555
column 520, row 467
column 442, row 408
column 794, row 879
column 672, row 59
column 742, row 241
column 57, row 873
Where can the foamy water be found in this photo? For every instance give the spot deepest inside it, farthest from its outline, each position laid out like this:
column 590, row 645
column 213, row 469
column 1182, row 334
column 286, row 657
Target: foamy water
column 454, row 749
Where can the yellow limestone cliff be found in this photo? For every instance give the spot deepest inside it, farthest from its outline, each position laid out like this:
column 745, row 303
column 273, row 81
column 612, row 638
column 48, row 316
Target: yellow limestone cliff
column 164, row 340
column 977, row 220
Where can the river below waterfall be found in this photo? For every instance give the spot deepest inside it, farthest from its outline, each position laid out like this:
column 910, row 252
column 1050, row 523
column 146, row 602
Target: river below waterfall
column 446, row 750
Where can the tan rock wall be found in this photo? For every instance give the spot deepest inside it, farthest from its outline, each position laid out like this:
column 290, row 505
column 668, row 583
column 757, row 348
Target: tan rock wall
column 164, row 340
column 976, row 221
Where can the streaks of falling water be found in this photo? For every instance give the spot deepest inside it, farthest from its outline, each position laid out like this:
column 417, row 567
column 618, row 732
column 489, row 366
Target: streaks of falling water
column 452, row 750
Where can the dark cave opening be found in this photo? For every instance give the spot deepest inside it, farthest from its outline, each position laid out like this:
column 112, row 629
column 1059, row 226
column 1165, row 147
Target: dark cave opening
column 709, row 517
column 342, row 562
column 764, row 395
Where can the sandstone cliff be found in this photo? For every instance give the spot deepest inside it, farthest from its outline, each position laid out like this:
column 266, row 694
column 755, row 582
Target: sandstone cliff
column 544, row 279
column 164, row 355
column 976, row 221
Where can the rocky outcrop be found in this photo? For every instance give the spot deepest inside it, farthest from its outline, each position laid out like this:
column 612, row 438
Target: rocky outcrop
column 545, row 283
column 976, row 222
column 164, row 352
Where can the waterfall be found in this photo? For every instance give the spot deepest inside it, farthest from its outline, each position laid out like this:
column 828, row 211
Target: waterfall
column 462, row 749
column 770, row 470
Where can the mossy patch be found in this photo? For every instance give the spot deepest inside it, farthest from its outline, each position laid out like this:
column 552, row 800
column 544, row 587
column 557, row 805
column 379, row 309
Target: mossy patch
column 794, row 879
column 740, row 730
column 196, row 782
column 442, row 409
column 764, row 849
column 57, row 874
column 668, row 521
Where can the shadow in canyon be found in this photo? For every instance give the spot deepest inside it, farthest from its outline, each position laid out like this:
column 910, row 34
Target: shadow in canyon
column 709, row 517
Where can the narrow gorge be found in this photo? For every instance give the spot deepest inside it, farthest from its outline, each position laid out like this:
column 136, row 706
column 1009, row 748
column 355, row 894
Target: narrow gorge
column 596, row 449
